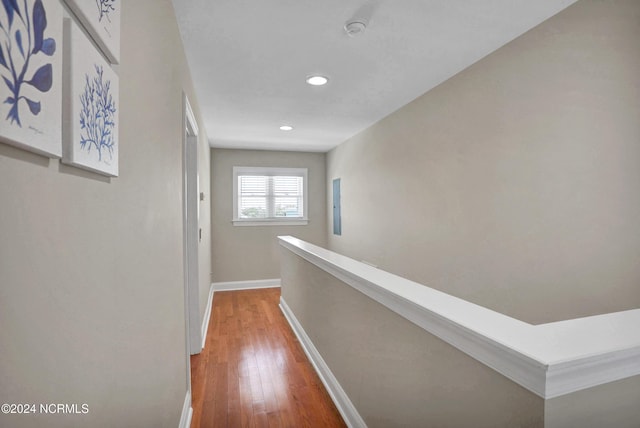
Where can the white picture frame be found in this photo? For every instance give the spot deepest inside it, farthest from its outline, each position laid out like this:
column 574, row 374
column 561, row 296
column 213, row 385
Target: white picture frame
column 31, row 50
column 101, row 19
column 91, row 121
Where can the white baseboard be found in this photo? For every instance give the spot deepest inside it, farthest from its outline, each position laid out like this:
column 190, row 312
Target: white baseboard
column 207, row 316
column 187, row 412
column 246, row 285
column 346, row 408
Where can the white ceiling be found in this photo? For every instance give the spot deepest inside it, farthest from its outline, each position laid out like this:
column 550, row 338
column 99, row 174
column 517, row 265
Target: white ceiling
column 249, row 61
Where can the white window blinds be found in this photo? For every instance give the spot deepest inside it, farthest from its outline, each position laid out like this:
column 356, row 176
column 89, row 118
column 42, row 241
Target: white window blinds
column 269, row 194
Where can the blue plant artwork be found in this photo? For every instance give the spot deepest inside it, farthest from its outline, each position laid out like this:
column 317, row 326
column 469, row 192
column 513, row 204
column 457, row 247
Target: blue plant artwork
column 105, row 7
column 97, row 116
column 21, row 39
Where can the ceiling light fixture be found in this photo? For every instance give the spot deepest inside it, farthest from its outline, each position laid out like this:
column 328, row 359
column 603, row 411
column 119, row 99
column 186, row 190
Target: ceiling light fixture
column 286, row 128
column 317, row 80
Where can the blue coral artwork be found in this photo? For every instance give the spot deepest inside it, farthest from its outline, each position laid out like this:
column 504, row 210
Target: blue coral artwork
column 92, row 142
column 97, row 116
column 31, row 75
column 105, row 9
column 101, row 19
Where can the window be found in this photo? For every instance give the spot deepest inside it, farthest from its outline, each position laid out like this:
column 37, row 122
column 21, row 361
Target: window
column 263, row 196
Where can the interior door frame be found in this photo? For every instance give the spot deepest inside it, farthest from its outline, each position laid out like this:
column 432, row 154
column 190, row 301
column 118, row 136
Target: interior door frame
column 190, row 206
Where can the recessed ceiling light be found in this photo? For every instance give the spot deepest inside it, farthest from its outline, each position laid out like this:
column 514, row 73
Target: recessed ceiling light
column 286, row 128
column 317, row 80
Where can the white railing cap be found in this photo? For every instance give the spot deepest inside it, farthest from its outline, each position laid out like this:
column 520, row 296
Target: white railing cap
column 550, row 360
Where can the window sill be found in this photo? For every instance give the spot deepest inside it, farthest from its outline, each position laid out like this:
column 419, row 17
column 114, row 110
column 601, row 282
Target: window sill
column 300, row 222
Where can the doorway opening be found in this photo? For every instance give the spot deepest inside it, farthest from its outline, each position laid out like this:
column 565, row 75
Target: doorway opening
column 190, row 218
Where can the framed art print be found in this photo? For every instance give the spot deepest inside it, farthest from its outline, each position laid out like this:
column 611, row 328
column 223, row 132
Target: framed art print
column 31, row 75
column 91, row 116
column 101, row 18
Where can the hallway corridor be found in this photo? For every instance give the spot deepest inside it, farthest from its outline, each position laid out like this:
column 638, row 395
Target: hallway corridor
column 253, row 372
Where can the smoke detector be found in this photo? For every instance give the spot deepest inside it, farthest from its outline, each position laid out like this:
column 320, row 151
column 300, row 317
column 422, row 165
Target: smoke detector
column 354, row 28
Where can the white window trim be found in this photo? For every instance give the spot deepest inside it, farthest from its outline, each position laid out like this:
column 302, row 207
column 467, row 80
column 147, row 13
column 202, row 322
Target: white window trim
column 269, row 171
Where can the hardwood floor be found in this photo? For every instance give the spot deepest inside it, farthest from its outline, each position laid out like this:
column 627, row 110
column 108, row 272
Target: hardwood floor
column 253, row 372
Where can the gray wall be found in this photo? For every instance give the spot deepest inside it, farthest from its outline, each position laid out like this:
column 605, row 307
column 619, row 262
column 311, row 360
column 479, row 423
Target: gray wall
column 395, row 373
column 612, row 405
column 241, row 253
column 515, row 184
column 91, row 271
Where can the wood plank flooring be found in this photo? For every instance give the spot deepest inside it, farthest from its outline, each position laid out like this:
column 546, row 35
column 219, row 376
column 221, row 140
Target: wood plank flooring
column 253, row 371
